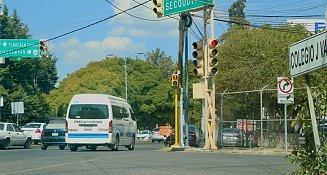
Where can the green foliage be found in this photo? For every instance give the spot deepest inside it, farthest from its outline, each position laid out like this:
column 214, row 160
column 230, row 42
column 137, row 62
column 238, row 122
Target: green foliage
column 251, row 58
column 237, row 15
column 309, row 160
column 149, row 90
column 27, row 81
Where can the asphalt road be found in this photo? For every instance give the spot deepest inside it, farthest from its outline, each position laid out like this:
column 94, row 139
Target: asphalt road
column 147, row 158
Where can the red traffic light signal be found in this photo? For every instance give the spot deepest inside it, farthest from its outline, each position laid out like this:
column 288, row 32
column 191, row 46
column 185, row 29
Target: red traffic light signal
column 174, row 80
column 213, row 57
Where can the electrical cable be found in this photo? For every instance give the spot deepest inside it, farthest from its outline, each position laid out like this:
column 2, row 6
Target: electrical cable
column 79, row 29
column 145, row 19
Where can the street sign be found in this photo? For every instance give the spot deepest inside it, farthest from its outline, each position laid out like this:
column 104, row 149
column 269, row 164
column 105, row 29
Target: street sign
column 24, row 48
column 17, row 107
column 179, row 6
column 308, row 54
column 285, row 89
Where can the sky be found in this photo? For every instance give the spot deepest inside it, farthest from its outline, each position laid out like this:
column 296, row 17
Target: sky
column 123, row 35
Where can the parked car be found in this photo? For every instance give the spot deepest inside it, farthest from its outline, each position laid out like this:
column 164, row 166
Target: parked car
column 195, row 137
column 12, row 135
column 143, row 135
column 54, row 134
column 233, row 137
column 35, row 130
column 156, row 135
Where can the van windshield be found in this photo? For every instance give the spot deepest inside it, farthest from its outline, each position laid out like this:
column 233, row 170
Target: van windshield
column 88, row 111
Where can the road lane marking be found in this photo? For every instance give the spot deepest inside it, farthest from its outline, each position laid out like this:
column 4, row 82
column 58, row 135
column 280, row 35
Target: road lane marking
column 63, row 164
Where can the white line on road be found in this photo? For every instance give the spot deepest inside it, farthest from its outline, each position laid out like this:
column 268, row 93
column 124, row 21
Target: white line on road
column 64, row 164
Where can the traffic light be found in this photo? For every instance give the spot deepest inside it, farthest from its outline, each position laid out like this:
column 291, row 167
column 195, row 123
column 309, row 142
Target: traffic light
column 174, row 80
column 213, row 57
column 159, row 8
column 43, row 47
column 198, row 54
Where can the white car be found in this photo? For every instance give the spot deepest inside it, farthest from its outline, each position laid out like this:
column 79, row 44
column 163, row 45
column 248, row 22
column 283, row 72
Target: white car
column 156, row 135
column 12, row 135
column 35, row 130
column 144, row 135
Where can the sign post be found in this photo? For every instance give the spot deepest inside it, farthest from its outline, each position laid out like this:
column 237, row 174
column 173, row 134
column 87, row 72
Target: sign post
column 285, row 95
column 17, row 108
column 306, row 56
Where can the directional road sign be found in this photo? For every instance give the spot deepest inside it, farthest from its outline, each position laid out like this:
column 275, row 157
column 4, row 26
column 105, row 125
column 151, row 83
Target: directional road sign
column 308, row 54
column 285, row 90
column 178, row 6
column 24, row 48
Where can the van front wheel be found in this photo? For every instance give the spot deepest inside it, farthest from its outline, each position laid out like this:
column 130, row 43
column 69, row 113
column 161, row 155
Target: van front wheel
column 73, row 147
column 132, row 145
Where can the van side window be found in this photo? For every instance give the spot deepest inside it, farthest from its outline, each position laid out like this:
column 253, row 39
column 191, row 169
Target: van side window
column 119, row 112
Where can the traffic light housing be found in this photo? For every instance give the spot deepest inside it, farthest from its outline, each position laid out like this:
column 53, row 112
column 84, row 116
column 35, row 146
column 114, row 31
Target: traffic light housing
column 43, row 47
column 174, row 80
column 159, row 8
column 198, row 54
column 213, row 57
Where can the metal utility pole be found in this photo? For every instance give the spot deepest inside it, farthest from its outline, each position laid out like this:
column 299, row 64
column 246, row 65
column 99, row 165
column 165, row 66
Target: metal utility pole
column 261, row 114
column 187, row 20
column 178, row 121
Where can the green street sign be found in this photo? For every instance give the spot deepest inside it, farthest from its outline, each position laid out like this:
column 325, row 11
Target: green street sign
column 178, row 6
column 24, row 48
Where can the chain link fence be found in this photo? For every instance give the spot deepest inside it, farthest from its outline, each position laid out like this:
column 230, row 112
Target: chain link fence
column 258, row 115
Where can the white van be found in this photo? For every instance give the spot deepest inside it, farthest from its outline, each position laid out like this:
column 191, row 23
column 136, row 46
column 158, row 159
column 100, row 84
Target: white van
column 100, row 120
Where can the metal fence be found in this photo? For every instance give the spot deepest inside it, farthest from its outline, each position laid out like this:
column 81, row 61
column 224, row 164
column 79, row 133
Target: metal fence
column 273, row 132
column 248, row 110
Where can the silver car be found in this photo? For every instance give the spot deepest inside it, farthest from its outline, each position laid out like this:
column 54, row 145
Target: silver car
column 12, row 135
column 233, row 137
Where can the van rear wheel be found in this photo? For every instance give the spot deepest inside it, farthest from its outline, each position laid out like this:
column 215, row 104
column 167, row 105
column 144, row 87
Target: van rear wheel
column 115, row 147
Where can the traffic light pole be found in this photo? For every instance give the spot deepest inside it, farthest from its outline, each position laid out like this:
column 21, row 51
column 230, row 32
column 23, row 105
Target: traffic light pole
column 210, row 89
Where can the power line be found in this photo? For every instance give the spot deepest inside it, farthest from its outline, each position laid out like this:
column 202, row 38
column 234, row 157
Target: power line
column 81, row 28
column 145, row 19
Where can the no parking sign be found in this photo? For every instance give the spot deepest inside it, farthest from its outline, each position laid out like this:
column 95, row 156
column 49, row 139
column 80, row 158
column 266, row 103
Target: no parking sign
column 285, row 89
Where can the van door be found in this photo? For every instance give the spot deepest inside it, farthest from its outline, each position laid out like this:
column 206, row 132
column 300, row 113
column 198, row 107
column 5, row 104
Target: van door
column 120, row 122
column 132, row 125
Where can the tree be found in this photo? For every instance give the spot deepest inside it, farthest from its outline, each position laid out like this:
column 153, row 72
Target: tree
column 251, row 58
column 237, row 15
column 149, row 90
column 29, row 80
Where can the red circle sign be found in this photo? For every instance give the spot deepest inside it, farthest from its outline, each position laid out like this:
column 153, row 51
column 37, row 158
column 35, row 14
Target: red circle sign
column 285, row 90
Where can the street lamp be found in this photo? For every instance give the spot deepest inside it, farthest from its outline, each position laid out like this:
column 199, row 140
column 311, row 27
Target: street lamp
column 125, row 66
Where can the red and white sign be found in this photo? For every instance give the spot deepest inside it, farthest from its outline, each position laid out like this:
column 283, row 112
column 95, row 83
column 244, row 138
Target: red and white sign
column 285, row 89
